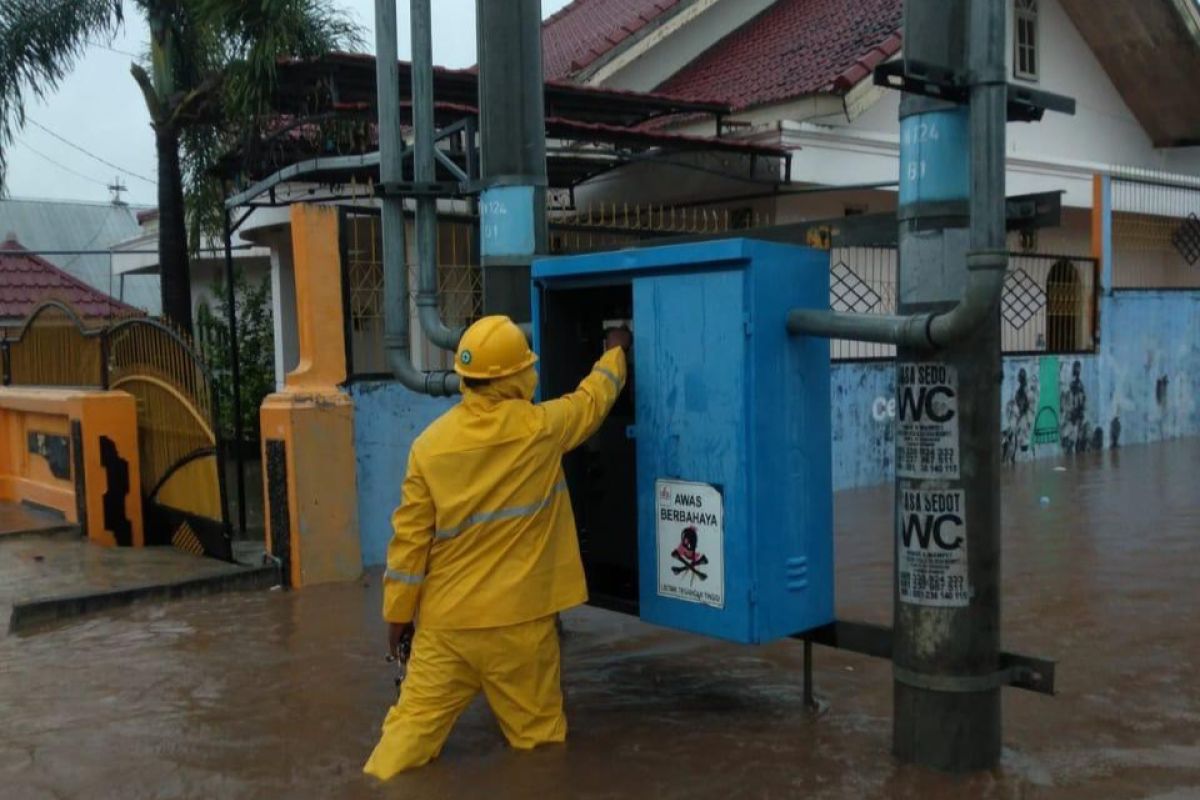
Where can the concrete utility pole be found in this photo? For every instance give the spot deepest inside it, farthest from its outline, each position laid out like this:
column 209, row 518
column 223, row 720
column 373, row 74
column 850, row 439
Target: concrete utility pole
column 946, row 659
column 947, row 578
column 512, row 132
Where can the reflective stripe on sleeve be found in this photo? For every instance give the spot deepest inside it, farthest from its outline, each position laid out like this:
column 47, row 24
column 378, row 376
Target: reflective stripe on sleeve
column 608, row 374
column 503, row 513
column 403, row 577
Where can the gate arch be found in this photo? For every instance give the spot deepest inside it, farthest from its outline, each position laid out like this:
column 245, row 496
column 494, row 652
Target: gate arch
column 183, row 487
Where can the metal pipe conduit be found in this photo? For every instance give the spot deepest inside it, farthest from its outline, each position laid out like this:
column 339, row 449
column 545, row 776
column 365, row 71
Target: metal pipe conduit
column 425, row 171
column 395, row 272
column 929, row 331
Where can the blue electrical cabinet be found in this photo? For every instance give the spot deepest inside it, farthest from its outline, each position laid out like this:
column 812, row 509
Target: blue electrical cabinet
column 704, row 504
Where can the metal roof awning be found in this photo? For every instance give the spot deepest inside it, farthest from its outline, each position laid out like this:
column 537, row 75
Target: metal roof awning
column 590, row 131
column 348, row 80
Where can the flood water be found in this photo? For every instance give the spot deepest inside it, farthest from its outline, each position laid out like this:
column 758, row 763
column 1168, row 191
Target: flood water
column 279, row 695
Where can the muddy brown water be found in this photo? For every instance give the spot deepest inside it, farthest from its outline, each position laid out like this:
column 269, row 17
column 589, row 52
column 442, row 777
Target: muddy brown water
column 279, row 695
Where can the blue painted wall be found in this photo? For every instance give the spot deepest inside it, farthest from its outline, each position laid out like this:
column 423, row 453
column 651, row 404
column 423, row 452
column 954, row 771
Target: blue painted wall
column 387, row 418
column 1143, row 386
column 1150, row 366
column 863, row 396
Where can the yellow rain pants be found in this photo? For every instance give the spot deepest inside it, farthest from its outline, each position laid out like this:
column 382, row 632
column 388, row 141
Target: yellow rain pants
column 516, row 667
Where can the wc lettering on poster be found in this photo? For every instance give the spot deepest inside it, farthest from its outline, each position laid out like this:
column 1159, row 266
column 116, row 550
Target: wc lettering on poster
column 927, row 424
column 932, row 551
column 690, row 531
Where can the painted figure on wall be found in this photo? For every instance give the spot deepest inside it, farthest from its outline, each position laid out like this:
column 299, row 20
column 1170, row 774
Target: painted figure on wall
column 1074, row 413
column 1018, row 419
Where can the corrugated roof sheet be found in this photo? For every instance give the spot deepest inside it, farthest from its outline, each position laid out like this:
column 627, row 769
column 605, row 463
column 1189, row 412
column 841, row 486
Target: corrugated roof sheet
column 585, row 30
column 27, row 280
column 65, row 225
column 793, row 48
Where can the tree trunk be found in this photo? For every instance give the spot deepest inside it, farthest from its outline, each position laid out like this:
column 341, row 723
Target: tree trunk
column 175, row 275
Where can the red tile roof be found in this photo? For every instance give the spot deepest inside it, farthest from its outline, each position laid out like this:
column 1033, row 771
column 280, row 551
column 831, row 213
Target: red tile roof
column 793, row 48
column 27, row 280
column 587, row 29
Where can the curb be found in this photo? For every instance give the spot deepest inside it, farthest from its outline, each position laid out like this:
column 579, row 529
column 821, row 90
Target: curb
column 29, row 615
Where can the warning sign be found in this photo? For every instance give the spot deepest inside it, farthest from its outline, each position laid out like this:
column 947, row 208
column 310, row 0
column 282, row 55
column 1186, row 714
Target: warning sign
column 932, row 550
column 690, row 522
column 927, row 424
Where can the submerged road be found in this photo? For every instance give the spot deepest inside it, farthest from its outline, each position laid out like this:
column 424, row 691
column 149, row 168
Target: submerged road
column 279, row 695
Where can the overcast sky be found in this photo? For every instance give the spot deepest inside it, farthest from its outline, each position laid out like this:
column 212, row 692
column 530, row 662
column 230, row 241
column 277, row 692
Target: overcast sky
column 100, row 109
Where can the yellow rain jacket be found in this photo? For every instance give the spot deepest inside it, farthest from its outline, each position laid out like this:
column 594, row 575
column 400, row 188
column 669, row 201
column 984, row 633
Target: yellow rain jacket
column 485, row 535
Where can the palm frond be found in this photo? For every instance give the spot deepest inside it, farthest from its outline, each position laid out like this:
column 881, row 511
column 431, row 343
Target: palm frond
column 40, row 43
column 245, row 40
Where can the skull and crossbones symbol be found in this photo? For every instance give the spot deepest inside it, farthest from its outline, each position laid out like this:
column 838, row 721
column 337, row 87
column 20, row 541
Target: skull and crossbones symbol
column 689, row 560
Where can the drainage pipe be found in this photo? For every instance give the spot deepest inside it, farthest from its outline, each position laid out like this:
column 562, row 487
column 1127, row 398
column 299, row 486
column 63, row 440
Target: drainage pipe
column 395, row 271
column 425, row 172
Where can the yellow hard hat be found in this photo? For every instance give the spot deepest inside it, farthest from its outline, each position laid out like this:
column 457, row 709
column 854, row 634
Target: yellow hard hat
column 494, row 347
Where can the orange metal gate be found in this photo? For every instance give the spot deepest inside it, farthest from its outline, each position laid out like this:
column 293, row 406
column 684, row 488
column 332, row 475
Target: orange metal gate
column 182, row 482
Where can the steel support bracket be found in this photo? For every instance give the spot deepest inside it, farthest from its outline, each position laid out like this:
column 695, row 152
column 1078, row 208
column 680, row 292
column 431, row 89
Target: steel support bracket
column 1020, row 676
column 917, row 77
column 1028, row 672
column 1014, row 669
column 930, row 80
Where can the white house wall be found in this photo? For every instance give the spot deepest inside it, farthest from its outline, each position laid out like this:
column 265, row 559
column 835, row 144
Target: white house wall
column 207, row 275
column 283, row 298
column 1060, row 151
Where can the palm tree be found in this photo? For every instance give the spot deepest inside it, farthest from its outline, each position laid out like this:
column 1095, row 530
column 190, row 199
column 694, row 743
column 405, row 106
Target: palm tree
column 206, row 80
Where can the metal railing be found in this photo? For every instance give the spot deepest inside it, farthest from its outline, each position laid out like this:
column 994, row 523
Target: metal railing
column 1155, row 234
column 1048, row 306
column 460, row 291
column 862, row 280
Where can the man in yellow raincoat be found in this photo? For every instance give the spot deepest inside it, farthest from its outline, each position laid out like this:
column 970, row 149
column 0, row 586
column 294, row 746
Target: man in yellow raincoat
column 484, row 552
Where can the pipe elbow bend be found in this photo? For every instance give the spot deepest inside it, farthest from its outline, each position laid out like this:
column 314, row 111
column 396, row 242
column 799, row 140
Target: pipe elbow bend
column 985, row 283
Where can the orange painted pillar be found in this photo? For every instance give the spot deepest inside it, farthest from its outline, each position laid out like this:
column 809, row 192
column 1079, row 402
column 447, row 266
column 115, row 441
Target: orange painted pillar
column 308, row 455
column 76, row 452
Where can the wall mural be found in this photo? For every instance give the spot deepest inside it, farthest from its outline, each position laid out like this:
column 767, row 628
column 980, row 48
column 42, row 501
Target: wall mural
column 1019, row 412
column 1078, row 435
column 1046, row 406
column 1135, row 390
column 1049, row 411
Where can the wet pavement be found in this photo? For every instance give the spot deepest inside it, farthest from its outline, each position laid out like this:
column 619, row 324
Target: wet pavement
column 272, row 694
column 18, row 519
column 48, row 572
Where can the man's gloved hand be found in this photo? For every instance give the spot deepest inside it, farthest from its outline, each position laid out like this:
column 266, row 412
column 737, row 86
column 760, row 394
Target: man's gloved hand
column 618, row 337
column 400, row 636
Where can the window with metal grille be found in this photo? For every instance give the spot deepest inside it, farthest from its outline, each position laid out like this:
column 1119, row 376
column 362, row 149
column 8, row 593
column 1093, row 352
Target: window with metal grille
column 1025, row 39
